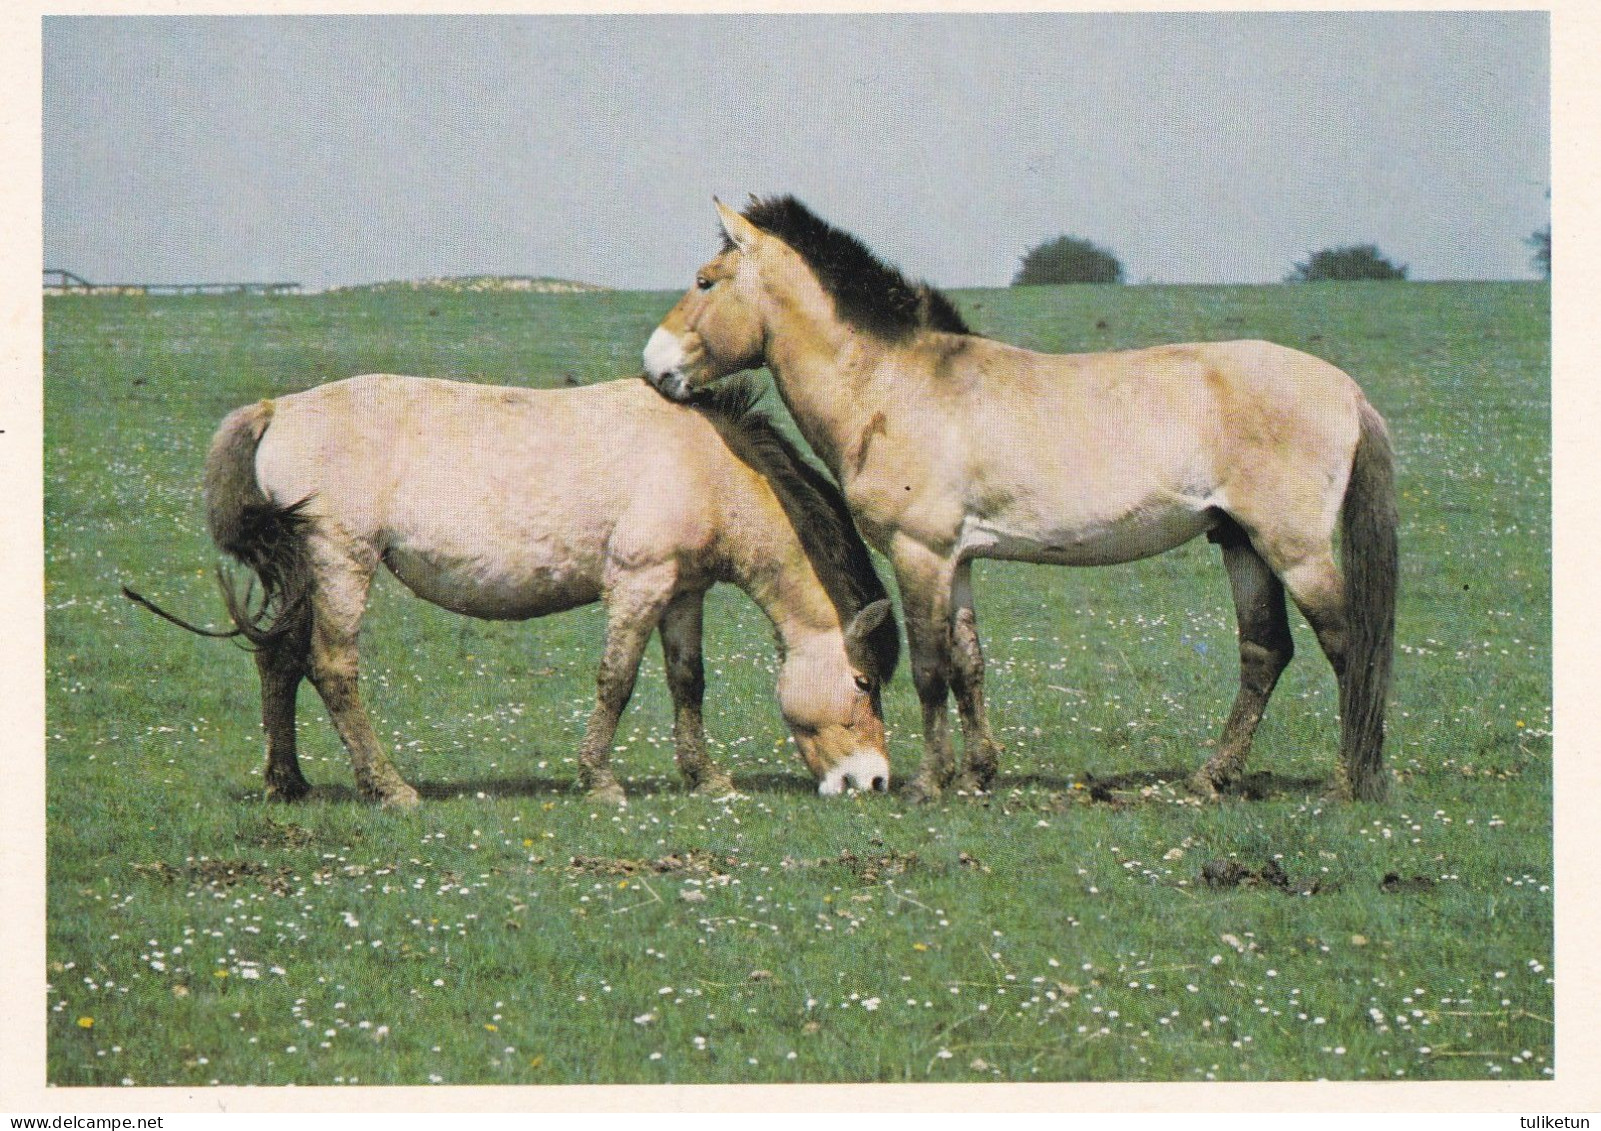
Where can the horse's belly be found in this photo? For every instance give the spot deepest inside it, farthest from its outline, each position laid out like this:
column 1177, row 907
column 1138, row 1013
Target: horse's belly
column 1108, row 541
column 505, row 587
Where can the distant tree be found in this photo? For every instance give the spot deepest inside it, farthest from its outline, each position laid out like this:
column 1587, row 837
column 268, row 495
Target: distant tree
column 1068, row 259
column 1540, row 241
column 1361, row 261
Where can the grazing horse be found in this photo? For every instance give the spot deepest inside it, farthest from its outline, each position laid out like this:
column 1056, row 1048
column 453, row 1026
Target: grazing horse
column 951, row 447
column 511, row 503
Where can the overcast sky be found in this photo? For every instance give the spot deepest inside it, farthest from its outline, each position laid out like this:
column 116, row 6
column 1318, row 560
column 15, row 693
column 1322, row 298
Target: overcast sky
column 1197, row 147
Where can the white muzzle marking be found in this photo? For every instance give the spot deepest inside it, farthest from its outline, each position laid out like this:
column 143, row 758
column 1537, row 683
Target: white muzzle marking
column 664, row 359
column 863, row 770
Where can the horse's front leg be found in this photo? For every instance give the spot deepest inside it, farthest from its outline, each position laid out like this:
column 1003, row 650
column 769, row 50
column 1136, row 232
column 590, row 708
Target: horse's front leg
column 634, row 605
column 967, row 681
column 686, row 679
column 925, row 585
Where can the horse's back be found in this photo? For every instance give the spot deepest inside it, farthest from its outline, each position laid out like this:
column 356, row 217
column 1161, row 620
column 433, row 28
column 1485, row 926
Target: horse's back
column 1251, row 418
column 1285, row 423
column 1097, row 457
column 495, row 501
column 1170, row 404
column 421, row 441
column 1287, row 378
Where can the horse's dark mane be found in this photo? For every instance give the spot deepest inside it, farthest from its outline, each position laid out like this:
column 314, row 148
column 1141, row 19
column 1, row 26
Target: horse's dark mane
column 867, row 292
column 815, row 508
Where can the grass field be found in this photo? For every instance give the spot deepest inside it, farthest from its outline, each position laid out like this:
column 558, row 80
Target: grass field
column 1059, row 929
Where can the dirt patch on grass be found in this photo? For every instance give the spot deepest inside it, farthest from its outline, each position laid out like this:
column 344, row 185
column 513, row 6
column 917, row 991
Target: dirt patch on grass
column 868, row 869
column 1227, row 874
column 692, row 862
column 1396, row 884
column 697, row 862
column 220, row 874
column 275, row 834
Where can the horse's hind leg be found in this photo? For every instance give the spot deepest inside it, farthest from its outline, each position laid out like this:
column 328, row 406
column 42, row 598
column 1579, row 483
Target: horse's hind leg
column 281, row 663
column 1318, row 591
column 1265, row 649
column 967, row 682
column 634, row 605
column 686, row 679
column 337, row 607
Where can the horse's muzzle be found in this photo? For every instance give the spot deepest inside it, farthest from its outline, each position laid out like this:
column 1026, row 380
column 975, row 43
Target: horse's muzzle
column 664, row 365
column 671, row 385
column 862, row 771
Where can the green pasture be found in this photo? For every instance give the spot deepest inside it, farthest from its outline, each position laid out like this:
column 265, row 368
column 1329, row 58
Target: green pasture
column 1060, row 928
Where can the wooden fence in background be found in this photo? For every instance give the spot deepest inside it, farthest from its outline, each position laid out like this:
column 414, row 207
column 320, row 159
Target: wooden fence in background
column 60, row 282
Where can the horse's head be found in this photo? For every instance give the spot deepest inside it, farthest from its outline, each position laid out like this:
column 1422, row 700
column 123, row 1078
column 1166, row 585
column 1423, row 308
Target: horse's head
column 716, row 328
column 832, row 703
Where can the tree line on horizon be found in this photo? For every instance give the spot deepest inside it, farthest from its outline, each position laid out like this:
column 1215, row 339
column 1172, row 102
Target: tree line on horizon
column 1072, row 259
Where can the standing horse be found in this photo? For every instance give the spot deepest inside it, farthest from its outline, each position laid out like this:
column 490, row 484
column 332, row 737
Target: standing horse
column 952, row 447
column 507, row 504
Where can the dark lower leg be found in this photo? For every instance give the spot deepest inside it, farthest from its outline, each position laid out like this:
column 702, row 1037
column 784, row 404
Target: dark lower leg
column 1265, row 649
column 939, row 765
column 1345, row 786
column 281, row 668
column 1316, row 587
column 925, row 584
column 686, row 680
column 333, row 663
column 1351, row 782
column 376, row 777
column 967, row 682
column 614, row 684
column 1259, row 673
column 929, row 663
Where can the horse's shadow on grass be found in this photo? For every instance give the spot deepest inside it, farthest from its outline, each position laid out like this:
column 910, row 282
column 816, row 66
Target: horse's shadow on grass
column 341, row 793
column 1258, row 786
column 766, row 783
column 653, row 786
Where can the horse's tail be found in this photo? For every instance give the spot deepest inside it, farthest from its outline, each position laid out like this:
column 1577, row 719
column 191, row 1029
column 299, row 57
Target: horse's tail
column 1371, row 564
column 266, row 537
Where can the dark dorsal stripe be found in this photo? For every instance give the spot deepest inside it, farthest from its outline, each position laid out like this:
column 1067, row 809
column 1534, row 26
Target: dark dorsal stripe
column 867, row 293
column 815, row 508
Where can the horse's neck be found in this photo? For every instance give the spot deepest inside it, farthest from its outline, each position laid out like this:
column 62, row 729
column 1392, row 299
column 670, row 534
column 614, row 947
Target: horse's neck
column 771, row 566
column 821, row 382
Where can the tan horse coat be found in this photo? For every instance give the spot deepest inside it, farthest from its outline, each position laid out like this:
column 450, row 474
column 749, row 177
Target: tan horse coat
column 509, row 503
column 952, row 447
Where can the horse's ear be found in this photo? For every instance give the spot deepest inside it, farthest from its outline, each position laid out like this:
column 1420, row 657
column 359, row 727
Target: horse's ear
column 866, row 622
column 740, row 231
column 872, row 640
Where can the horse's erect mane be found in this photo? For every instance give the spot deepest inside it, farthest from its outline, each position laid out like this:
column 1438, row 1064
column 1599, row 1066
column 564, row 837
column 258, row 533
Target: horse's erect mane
column 867, row 292
column 815, row 507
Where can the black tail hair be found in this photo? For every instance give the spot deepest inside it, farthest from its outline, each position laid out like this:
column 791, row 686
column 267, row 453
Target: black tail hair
column 265, row 537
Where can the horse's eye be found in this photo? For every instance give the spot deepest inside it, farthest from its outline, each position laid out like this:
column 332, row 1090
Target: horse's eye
column 703, row 283
column 863, row 683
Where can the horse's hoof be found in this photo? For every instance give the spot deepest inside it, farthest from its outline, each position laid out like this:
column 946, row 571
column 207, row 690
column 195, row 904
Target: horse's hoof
column 715, row 786
column 1375, row 790
column 1370, row 786
column 1202, row 786
column 980, row 773
column 608, row 793
column 288, row 791
column 974, row 781
column 1341, row 791
column 401, row 797
column 919, row 791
